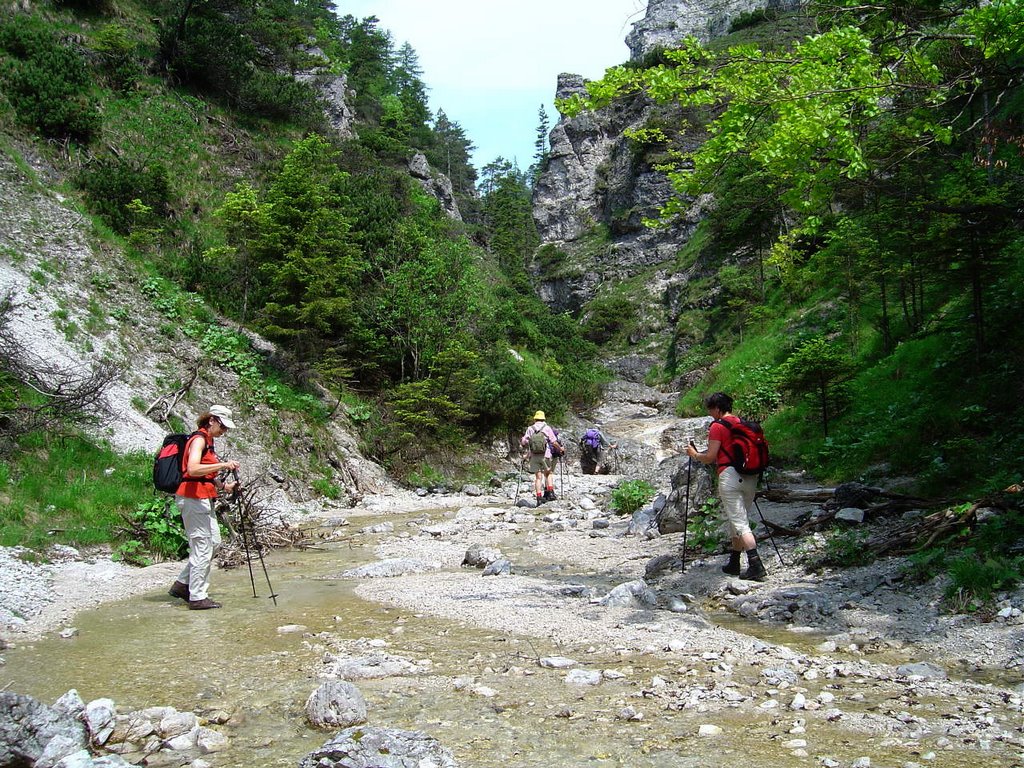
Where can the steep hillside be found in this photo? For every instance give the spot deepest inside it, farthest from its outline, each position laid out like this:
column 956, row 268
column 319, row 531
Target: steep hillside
column 79, row 304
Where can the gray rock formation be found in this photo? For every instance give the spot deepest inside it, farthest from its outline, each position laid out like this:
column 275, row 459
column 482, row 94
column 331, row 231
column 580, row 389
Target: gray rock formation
column 334, row 93
column 685, row 498
column 667, row 22
column 590, row 202
column 380, row 748
column 593, row 178
column 31, row 731
column 436, row 184
column 336, row 704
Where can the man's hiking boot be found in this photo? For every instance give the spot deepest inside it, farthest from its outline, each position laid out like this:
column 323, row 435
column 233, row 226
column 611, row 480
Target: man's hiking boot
column 541, row 500
column 549, row 495
column 178, row 590
column 733, row 569
column 202, row 605
column 755, row 572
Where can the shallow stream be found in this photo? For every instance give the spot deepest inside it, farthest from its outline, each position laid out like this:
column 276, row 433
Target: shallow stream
column 254, row 661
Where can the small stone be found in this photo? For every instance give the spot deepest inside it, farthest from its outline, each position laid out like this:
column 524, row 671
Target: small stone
column 557, row 662
column 709, row 730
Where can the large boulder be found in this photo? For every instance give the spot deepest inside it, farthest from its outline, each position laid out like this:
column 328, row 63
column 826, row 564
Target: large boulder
column 336, row 704
column 691, row 488
column 30, row 730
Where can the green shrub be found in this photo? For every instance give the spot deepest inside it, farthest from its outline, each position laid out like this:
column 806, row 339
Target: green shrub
column 154, row 528
column 975, row 578
column 703, row 530
column 631, row 495
column 116, row 52
column 127, row 194
column 846, row 549
column 608, row 318
column 47, row 83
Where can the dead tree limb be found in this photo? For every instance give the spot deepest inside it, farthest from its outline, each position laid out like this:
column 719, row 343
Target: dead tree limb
column 166, row 402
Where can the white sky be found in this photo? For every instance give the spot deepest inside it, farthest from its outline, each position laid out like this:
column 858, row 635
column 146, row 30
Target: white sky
column 491, row 64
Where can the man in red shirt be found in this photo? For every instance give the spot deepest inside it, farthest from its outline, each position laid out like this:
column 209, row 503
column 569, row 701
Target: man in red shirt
column 735, row 490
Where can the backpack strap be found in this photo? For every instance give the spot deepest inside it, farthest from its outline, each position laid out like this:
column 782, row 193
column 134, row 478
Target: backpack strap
column 185, row 477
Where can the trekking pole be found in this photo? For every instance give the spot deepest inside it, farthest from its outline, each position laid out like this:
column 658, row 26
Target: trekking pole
column 245, row 541
column 519, row 478
column 686, row 509
column 259, row 551
column 768, row 527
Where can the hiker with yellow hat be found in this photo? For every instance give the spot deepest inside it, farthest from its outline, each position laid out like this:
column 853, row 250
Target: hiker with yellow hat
column 541, row 440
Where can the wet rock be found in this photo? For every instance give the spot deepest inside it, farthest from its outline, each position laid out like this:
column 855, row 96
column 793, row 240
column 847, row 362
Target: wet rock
column 381, row 748
column 395, row 566
column 923, row 669
column 99, row 719
column 209, row 740
column 557, row 662
column 632, row 594
column 709, row 730
column 472, row 490
column 500, row 567
column 371, row 666
column 656, row 566
column 336, row 704
column 480, row 556
column 29, row 729
column 583, row 677
column 379, row 528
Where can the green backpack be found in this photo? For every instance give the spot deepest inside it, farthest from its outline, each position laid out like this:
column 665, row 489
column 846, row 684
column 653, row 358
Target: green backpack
column 538, row 443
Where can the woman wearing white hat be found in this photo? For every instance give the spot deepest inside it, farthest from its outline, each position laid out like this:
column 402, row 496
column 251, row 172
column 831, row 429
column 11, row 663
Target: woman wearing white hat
column 542, row 442
column 194, row 499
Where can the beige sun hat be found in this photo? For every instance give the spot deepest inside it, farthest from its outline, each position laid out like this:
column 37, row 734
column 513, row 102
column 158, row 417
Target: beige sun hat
column 224, row 414
column 539, row 416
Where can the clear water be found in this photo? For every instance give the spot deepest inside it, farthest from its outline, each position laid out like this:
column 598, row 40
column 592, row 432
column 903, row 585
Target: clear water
column 151, row 650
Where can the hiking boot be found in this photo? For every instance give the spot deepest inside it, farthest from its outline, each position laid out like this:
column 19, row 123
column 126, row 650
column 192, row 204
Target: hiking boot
column 549, row 495
column 202, row 605
column 178, row 590
column 733, row 569
column 755, row 572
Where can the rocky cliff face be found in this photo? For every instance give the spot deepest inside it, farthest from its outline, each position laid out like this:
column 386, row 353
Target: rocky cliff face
column 595, row 181
column 590, row 202
column 667, row 22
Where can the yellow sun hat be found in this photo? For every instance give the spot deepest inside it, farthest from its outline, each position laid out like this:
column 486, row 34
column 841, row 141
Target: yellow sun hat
column 539, row 416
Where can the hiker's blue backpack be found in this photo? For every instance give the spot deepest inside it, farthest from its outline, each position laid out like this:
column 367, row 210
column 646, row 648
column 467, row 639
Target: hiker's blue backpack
column 592, row 438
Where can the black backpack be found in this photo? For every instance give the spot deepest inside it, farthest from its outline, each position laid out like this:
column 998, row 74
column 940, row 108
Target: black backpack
column 168, row 471
column 749, row 453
